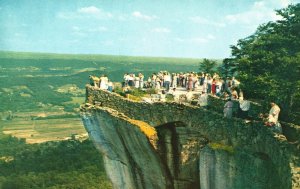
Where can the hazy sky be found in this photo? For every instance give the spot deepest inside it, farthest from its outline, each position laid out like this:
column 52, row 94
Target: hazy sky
column 168, row 28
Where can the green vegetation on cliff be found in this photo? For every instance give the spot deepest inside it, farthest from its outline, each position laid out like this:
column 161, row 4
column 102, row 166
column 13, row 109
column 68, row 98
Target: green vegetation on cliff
column 219, row 146
column 65, row 164
column 268, row 62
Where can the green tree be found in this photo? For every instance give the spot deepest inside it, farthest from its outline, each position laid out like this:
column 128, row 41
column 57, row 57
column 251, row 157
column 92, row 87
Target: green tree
column 228, row 67
column 207, row 65
column 268, row 61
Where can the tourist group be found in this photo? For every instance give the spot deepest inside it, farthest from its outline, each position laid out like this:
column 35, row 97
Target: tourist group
column 191, row 87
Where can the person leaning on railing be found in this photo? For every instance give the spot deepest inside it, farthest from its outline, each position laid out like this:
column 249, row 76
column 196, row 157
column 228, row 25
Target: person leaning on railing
column 271, row 119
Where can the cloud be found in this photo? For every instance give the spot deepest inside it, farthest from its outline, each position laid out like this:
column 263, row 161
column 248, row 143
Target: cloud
column 205, row 21
column 108, row 43
column 211, row 37
column 196, row 40
column 285, row 3
column 67, row 15
column 79, row 34
column 281, row 3
column 89, row 10
column 78, row 30
column 179, row 39
column 85, row 12
column 122, row 17
column 141, row 16
column 99, row 29
column 18, row 34
column 199, row 40
column 73, row 41
column 161, row 30
column 259, row 13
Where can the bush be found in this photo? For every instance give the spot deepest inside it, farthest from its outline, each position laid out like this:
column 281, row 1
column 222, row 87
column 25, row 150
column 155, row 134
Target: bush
column 137, row 92
column 118, row 90
column 151, row 91
column 169, row 98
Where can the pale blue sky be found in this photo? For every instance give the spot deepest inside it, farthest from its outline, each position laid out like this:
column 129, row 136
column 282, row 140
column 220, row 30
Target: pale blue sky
column 165, row 28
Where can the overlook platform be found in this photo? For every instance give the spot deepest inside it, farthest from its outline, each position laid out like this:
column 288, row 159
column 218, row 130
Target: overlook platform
column 172, row 145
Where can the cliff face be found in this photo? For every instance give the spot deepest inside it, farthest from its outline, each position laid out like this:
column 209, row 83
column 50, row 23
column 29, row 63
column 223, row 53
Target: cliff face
column 169, row 145
column 129, row 157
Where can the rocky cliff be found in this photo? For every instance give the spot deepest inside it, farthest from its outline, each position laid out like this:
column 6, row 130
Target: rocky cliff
column 170, row 145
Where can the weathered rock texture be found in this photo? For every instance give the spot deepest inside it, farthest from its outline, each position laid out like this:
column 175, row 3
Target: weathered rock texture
column 170, row 145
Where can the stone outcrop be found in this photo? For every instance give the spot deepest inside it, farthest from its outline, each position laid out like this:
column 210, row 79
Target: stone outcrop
column 171, row 145
column 126, row 165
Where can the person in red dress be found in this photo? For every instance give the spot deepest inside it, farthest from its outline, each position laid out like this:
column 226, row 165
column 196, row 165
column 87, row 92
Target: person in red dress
column 190, row 82
column 213, row 87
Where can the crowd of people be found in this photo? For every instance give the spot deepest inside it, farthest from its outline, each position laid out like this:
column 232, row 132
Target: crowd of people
column 205, row 84
column 211, row 84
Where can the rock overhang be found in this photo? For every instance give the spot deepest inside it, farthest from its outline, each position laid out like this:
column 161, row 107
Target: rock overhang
column 223, row 135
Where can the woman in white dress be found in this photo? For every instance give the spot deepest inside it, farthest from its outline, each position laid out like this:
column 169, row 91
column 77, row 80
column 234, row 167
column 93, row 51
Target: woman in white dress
column 141, row 80
column 136, row 81
column 103, row 82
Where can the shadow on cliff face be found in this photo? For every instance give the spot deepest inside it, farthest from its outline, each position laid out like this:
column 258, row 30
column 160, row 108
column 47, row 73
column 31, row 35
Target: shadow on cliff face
column 178, row 148
column 191, row 161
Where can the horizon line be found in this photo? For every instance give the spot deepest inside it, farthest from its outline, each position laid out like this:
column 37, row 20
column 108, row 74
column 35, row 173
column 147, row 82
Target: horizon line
column 119, row 55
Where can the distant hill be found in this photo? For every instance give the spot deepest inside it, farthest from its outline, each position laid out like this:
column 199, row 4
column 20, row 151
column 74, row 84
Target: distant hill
column 100, row 57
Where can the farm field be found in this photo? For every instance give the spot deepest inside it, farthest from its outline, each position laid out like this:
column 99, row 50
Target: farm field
column 37, row 131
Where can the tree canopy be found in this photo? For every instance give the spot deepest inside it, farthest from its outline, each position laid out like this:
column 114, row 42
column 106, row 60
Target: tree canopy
column 268, row 62
column 207, row 65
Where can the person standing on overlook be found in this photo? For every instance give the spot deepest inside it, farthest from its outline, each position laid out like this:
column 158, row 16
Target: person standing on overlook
column 103, row 82
column 174, row 80
column 203, row 100
column 136, row 81
column 190, row 82
column 153, row 80
column 274, row 113
column 244, row 107
column 126, row 79
column 131, row 78
column 94, row 81
column 141, row 80
column 167, row 81
column 272, row 118
column 234, row 94
column 213, row 87
column 110, row 86
column 209, row 84
column 228, row 108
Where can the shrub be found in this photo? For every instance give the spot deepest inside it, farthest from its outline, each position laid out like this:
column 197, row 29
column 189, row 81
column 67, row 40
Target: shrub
column 151, row 91
column 169, row 98
column 138, row 92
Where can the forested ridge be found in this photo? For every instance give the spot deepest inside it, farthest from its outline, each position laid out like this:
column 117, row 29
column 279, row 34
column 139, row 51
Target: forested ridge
column 64, row 164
